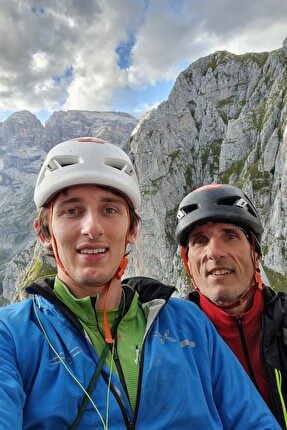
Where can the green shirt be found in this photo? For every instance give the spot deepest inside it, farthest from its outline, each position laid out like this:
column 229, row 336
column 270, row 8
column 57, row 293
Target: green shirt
column 129, row 338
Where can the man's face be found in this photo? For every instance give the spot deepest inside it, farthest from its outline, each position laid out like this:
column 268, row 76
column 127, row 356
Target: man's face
column 90, row 226
column 220, row 261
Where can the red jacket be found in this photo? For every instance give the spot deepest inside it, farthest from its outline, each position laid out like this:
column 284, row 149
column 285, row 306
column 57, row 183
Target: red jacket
column 259, row 340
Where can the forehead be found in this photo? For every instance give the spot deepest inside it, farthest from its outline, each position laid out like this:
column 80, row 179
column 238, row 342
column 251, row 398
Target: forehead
column 81, row 191
column 216, row 228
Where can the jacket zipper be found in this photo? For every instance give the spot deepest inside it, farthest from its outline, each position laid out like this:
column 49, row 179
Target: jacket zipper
column 119, row 369
column 245, row 350
column 129, row 422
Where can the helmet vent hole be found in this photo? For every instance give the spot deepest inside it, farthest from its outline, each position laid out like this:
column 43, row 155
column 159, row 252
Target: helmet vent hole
column 120, row 165
column 188, row 209
column 61, row 162
column 227, row 201
column 236, row 201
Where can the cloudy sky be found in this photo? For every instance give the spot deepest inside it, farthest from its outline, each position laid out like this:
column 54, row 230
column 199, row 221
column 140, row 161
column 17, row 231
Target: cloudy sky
column 121, row 55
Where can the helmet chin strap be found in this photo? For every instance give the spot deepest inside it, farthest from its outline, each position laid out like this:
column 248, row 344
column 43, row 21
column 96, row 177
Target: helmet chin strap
column 119, row 273
column 252, row 288
column 108, row 335
column 238, row 302
column 53, row 240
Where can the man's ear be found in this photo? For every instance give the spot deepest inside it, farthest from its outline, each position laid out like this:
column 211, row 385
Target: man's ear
column 189, row 268
column 45, row 241
column 133, row 234
column 257, row 260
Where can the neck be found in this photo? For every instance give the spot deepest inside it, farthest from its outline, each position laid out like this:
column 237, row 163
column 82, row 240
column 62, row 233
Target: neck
column 112, row 296
column 237, row 306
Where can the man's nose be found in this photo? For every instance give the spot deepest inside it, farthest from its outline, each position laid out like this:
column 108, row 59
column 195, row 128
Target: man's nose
column 215, row 249
column 92, row 225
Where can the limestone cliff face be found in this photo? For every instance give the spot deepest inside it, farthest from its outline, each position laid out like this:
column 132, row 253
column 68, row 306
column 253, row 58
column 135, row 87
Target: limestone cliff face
column 224, row 121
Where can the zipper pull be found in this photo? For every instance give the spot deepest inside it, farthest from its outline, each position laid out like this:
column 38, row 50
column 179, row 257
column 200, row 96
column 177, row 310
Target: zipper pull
column 137, row 355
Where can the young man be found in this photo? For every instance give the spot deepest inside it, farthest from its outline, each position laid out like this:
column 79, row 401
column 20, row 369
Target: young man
column 88, row 352
column 220, row 234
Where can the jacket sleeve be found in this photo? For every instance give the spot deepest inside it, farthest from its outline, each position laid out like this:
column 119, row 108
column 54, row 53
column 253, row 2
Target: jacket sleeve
column 12, row 396
column 238, row 401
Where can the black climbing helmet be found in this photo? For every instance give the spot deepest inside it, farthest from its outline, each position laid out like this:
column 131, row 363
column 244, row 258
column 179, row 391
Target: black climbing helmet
column 217, row 203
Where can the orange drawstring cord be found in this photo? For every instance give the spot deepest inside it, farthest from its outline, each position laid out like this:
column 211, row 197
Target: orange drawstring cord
column 118, row 275
column 54, row 243
column 122, row 268
column 184, row 258
column 257, row 274
column 108, row 335
column 258, row 279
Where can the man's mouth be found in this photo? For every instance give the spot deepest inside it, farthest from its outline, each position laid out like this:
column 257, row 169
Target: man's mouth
column 220, row 272
column 93, row 251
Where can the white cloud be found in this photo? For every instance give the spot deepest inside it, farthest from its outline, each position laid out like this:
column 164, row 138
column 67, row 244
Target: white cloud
column 63, row 54
column 39, row 61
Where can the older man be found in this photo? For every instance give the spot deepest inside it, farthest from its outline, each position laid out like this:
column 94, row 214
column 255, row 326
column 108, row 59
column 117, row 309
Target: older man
column 220, row 233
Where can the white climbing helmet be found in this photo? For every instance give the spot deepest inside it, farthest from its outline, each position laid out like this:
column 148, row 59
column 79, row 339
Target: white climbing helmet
column 86, row 160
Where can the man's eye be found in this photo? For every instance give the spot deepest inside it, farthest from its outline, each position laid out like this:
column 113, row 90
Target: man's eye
column 110, row 211
column 71, row 211
column 199, row 240
column 232, row 236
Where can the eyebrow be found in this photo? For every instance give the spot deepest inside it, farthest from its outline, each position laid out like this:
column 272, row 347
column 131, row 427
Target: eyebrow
column 234, row 229
column 70, row 200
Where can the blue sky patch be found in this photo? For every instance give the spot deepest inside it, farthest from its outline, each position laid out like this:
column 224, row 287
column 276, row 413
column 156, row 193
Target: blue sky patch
column 123, row 51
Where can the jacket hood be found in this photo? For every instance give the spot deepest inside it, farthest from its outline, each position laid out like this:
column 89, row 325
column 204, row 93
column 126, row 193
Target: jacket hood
column 149, row 289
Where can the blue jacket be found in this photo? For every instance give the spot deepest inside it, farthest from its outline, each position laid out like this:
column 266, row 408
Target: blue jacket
column 189, row 378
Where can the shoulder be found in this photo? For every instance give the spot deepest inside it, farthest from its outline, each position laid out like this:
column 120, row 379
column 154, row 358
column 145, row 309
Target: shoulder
column 15, row 308
column 272, row 296
column 275, row 309
column 282, row 295
column 186, row 310
column 189, row 322
column 16, row 314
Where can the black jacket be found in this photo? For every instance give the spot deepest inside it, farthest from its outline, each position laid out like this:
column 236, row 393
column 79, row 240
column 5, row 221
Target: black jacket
column 273, row 346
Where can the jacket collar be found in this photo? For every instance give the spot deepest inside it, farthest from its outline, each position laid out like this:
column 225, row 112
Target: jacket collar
column 269, row 295
column 148, row 288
